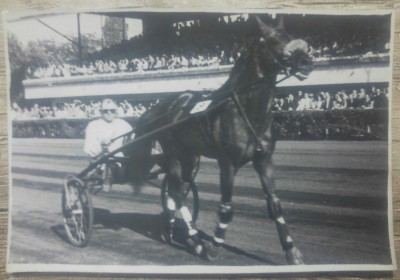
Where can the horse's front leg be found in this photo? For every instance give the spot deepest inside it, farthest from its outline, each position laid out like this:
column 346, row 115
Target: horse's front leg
column 264, row 167
column 225, row 210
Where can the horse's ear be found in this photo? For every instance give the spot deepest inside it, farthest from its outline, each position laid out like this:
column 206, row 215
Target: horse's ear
column 267, row 31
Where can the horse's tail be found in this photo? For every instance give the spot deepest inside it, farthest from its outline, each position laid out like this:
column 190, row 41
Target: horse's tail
column 140, row 161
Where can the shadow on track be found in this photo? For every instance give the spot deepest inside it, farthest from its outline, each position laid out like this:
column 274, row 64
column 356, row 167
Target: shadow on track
column 151, row 226
column 238, row 251
column 60, row 232
column 148, row 225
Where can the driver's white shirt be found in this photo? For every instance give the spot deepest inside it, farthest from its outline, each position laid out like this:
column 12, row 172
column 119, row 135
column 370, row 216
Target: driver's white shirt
column 100, row 130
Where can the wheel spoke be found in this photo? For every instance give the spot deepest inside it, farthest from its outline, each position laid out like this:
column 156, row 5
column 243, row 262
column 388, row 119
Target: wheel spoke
column 77, row 211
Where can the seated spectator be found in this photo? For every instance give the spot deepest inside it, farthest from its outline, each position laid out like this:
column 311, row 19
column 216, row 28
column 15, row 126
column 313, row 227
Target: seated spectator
column 320, row 102
column 340, row 101
column 368, row 103
column 304, row 103
column 35, row 111
column 276, row 105
column 123, row 65
column 16, row 112
column 351, row 103
column 61, row 112
column 121, row 110
column 129, row 112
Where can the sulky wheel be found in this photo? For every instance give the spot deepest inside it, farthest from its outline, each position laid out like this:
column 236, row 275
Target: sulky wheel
column 77, row 211
column 191, row 198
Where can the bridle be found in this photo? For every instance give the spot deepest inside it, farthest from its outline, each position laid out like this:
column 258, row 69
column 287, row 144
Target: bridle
column 286, row 69
column 282, row 62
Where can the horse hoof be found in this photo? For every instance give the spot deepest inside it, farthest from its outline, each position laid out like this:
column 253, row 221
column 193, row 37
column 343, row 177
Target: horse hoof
column 195, row 245
column 294, row 256
column 196, row 249
column 212, row 252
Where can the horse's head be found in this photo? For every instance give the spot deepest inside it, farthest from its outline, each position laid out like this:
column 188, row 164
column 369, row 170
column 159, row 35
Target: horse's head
column 292, row 55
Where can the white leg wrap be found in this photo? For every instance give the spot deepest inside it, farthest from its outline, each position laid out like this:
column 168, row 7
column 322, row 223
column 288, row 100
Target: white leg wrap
column 187, row 217
column 223, row 226
column 218, row 240
column 280, row 220
column 171, row 204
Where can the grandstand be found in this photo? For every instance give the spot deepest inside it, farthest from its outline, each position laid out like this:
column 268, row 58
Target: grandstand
column 177, row 52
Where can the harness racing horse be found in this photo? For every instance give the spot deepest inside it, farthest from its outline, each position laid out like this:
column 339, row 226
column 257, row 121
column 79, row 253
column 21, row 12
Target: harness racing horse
column 235, row 129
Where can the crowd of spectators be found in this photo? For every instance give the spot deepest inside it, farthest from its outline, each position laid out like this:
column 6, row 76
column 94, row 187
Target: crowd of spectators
column 356, row 99
column 190, row 44
column 324, row 100
column 76, row 110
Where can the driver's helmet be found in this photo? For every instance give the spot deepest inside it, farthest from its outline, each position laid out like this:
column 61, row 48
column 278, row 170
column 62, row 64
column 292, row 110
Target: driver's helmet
column 108, row 104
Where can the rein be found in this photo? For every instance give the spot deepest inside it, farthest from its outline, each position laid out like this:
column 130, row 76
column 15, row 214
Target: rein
column 154, row 132
column 247, row 121
column 243, row 114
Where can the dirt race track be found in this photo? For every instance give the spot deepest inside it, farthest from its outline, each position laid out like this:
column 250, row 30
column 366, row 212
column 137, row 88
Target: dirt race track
column 334, row 195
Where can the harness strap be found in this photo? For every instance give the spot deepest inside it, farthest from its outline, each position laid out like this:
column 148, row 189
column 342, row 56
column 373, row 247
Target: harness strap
column 205, row 125
column 247, row 121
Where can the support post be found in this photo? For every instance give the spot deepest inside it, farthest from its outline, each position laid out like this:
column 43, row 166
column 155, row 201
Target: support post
column 79, row 39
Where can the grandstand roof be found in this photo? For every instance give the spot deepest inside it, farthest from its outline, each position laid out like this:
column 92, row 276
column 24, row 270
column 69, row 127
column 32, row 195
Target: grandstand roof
column 179, row 16
column 172, row 15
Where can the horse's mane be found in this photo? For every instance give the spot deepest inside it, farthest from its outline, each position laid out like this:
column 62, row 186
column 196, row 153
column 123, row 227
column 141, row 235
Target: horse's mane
column 240, row 69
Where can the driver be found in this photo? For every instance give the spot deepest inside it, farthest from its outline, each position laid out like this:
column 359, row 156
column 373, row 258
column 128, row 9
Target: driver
column 101, row 137
column 101, row 132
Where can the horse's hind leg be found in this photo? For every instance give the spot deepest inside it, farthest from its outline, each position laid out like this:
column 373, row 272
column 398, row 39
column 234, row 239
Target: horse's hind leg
column 264, row 167
column 176, row 202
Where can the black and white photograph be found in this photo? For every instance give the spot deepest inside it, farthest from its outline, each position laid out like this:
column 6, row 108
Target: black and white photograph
column 166, row 141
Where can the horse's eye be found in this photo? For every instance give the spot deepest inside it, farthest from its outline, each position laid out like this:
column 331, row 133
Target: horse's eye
column 302, row 62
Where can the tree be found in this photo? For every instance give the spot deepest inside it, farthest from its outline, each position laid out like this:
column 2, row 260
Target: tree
column 42, row 53
column 18, row 63
column 16, row 52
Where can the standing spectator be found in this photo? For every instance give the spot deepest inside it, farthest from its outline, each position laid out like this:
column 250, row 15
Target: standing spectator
column 352, row 101
column 380, row 100
column 328, row 101
column 292, row 103
column 360, row 100
column 320, row 102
